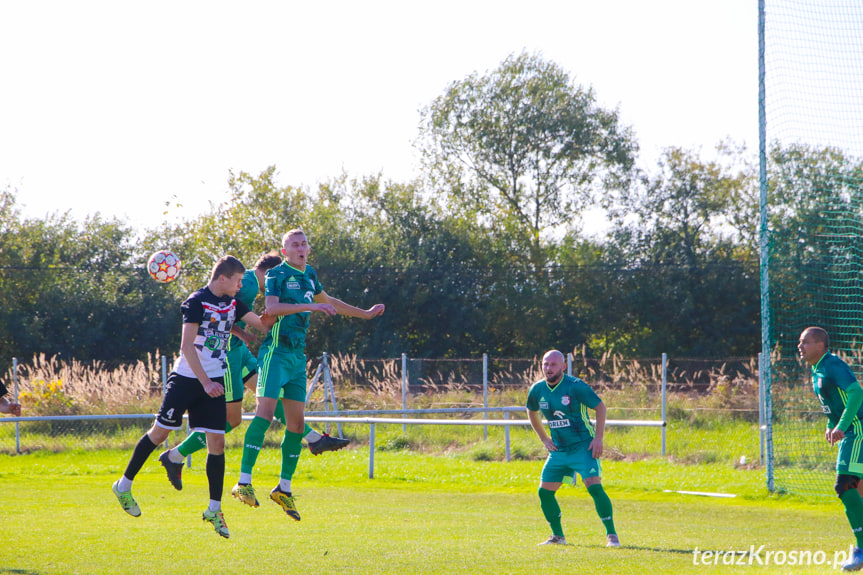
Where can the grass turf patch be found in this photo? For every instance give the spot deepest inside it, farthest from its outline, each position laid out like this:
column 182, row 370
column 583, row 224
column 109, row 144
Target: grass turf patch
column 420, row 514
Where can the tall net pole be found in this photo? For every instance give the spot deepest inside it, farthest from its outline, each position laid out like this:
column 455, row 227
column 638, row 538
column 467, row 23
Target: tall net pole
column 765, row 371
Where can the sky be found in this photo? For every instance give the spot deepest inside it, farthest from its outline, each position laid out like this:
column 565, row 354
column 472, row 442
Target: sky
column 132, row 109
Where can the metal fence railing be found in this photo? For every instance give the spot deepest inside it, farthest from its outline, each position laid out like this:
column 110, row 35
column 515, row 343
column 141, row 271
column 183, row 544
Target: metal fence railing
column 332, row 414
column 371, row 418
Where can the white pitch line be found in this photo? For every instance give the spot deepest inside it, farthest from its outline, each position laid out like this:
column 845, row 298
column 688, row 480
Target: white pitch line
column 702, row 493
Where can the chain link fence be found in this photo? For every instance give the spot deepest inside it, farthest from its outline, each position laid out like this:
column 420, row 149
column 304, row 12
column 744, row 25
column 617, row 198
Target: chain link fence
column 79, row 406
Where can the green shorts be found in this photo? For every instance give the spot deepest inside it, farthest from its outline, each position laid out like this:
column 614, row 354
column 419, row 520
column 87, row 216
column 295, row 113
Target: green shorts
column 850, row 458
column 282, row 370
column 562, row 466
column 241, row 366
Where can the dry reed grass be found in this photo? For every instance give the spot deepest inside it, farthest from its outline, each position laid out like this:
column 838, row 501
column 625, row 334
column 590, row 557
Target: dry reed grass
column 50, row 386
column 47, row 386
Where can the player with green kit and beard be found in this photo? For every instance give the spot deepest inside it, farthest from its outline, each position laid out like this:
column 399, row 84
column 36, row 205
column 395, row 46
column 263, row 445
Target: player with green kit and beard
column 575, row 444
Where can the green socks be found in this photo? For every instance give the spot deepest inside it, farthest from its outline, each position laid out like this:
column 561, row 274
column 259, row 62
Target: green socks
column 196, row 441
column 292, row 445
column 603, row 506
column 854, row 511
column 253, row 442
column 551, row 510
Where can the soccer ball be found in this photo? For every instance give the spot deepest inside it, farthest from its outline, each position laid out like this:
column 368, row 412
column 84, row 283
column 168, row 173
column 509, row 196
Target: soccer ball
column 164, row 266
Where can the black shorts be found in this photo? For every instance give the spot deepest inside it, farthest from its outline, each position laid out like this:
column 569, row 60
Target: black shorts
column 187, row 394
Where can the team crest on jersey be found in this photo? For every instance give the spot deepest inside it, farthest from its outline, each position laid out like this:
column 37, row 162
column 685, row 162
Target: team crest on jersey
column 213, row 343
column 565, row 400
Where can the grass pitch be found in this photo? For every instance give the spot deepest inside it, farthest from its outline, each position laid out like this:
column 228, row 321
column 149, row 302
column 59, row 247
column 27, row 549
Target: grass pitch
column 420, row 514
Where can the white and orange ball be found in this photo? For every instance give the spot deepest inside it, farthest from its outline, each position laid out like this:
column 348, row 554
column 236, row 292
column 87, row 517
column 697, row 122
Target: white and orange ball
column 164, row 266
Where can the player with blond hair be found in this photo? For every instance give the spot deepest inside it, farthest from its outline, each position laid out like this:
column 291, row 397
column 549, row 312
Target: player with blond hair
column 292, row 293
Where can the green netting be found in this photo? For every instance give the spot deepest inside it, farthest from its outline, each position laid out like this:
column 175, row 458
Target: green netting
column 812, row 145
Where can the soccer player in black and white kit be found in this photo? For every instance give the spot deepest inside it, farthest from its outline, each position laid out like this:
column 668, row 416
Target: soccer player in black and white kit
column 196, row 384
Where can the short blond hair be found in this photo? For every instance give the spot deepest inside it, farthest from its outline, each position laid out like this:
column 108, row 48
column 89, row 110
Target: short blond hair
column 293, row 232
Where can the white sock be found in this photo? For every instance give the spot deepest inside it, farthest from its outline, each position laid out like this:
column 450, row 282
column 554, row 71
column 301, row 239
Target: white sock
column 215, row 505
column 245, row 478
column 313, row 436
column 124, row 485
column 174, row 456
column 285, row 485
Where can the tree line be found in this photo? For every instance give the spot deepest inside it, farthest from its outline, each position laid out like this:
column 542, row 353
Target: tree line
column 483, row 252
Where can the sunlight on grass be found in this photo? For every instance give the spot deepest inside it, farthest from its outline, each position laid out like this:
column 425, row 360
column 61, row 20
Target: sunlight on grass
column 420, row 514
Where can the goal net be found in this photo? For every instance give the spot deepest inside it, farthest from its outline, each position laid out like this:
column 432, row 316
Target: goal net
column 811, row 64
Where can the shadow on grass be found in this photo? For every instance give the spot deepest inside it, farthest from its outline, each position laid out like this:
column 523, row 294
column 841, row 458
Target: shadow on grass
column 658, row 550
column 625, row 547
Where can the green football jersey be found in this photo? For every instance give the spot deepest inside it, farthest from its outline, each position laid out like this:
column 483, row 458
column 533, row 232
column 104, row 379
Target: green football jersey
column 247, row 295
column 292, row 286
column 565, row 407
column 830, row 378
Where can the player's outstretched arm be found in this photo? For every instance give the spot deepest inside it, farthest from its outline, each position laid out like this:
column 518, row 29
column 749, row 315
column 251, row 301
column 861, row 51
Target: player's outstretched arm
column 274, row 308
column 343, row 308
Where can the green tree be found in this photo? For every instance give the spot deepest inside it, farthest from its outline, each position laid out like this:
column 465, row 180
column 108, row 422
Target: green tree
column 428, row 267
column 250, row 223
column 686, row 212
column 522, row 149
column 696, row 289
column 815, row 226
column 76, row 289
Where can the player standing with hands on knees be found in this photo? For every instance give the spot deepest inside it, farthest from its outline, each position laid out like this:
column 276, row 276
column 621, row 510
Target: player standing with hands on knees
column 196, row 384
column 841, row 399
column 292, row 291
column 575, row 445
